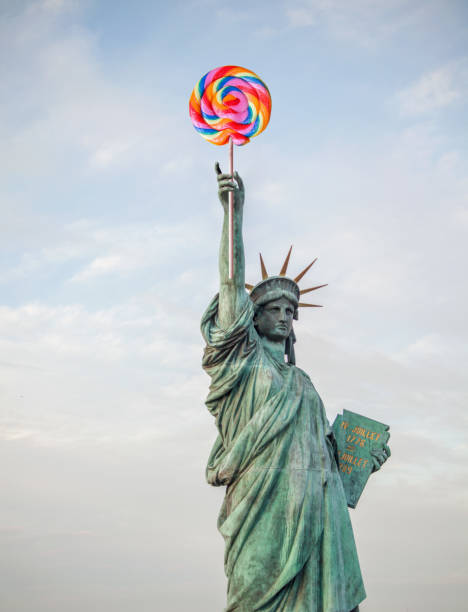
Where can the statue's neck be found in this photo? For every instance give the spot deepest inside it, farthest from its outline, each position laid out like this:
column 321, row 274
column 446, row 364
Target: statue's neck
column 276, row 349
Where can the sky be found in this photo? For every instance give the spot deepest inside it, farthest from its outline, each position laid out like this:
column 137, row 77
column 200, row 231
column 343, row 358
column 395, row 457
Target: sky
column 108, row 258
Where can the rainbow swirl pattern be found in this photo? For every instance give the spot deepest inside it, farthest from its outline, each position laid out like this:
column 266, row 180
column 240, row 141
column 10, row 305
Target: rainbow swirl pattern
column 230, row 102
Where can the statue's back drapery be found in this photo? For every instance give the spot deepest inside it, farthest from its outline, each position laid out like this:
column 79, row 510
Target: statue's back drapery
column 289, row 541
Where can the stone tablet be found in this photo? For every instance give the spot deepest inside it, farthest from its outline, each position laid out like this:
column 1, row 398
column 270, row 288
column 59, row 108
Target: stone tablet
column 357, row 438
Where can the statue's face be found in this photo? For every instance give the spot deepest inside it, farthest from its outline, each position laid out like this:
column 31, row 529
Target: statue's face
column 275, row 319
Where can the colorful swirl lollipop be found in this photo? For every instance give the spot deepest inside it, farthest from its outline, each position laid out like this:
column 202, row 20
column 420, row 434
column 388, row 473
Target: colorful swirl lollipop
column 230, row 102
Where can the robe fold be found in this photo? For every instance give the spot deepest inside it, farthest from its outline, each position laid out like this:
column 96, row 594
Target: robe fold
column 285, row 521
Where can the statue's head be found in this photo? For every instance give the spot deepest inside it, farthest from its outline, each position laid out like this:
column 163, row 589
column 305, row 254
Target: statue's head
column 274, row 319
column 275, row 288
column 276, row 302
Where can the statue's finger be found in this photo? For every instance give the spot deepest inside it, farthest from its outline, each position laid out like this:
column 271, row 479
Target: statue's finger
column 217, row 168
column 387, row 450
column 379, row 456
column 228, row 182
column 240, row 182
column 225, row 177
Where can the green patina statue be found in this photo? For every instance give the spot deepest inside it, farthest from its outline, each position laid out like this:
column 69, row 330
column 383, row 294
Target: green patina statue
column 285, row 521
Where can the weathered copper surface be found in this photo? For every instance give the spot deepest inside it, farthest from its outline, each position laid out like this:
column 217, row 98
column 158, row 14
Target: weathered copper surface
column 289, row 541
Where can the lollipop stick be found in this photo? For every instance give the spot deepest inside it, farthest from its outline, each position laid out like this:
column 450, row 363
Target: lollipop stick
column 231, row 212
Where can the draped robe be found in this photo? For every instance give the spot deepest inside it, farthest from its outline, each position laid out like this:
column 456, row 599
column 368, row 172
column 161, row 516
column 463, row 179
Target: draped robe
column 288, row 536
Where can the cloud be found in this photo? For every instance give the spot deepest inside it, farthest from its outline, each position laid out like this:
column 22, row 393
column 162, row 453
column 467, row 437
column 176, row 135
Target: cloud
column 230, row 15
column 363, row 22
column 103, row 265
column 56, row 5
column 461, row 217
column 435, row 90
column 88, row 250
column 68, row 106
column 84, row 366
column 301, row 17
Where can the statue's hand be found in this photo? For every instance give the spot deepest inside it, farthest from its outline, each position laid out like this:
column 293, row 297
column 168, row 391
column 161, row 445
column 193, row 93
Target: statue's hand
column 227, row 183
column 380, row 456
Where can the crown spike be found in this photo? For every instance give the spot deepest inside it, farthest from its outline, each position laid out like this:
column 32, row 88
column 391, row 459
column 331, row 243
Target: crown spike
column 262, row 265
column 310, row 305
column 298, row 278
column 248, row 286
column 312, row 288
column 284, row 269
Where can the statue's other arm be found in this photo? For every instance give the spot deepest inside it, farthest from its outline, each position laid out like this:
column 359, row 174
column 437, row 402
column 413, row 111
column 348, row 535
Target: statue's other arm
column 232, row 294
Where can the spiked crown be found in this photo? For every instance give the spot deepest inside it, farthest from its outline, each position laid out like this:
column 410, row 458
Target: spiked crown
column 277, row 286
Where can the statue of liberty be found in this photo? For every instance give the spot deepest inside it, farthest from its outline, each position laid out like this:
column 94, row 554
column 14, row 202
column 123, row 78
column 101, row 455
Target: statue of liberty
column 285, row 521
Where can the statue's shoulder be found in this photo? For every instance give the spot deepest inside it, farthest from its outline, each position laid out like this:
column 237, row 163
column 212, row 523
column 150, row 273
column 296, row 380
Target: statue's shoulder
column 303, row 375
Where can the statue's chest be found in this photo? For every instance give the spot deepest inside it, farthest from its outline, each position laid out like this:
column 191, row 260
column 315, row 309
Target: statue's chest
column 304, row 437
column 274, row 374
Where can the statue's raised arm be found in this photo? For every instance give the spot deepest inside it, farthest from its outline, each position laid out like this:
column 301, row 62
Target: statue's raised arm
column 232, row 294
